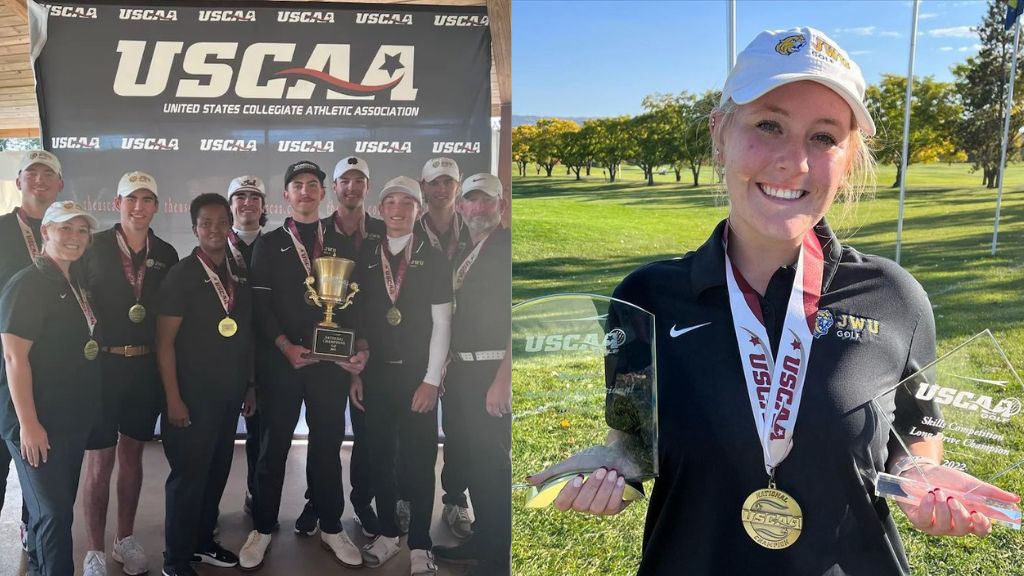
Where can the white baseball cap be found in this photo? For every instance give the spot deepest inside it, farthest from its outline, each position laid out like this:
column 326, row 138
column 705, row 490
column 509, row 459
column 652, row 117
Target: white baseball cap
column 403, row 185
column 487, row 183
column 136, row 180
column 440, row 167
column 39, row 157
column 351, row 163
column 66, row 210
column 247, row 183
column 778, row 57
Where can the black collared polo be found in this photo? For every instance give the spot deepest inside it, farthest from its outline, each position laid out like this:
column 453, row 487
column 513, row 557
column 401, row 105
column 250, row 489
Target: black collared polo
column 13, row 253
column 113, row 293
column 709, row 455
column 209, row 366
column 277, row 279
column 482, row 318
column 445, row 238
column 374, row 227
column 38, row 305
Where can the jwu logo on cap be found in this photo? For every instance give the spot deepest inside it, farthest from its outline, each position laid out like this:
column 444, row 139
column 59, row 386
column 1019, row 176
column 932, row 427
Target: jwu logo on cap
column 440, row 163
column 383, row 147
column 378, row 18
column 822, row 49
column 305, row 16
column 148, row 15
column 227, row 15
column 139, row 179
column 790, row 44
column 75, row 143
column 149, row 144
column 72, row 11
column 314, row 146
column 227, row 145
column 456, row 148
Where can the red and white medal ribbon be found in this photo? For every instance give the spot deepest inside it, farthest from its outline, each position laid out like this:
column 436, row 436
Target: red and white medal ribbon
column 391, row 283
column 134, row 277
column 459, row 274
column 26, row 232
column 435, row 239
column 775, row 388
column 236, row 251
column 300, row 249
column 225, row 295
column 360, row 234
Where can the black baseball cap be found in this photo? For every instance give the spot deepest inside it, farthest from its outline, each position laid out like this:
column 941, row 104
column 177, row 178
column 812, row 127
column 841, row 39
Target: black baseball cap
column 303, row 167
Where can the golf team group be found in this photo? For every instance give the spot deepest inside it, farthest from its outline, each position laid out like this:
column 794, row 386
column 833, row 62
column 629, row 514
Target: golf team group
column 105, row 332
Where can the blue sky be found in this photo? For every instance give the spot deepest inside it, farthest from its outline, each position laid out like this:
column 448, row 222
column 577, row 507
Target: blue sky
column 580, row 58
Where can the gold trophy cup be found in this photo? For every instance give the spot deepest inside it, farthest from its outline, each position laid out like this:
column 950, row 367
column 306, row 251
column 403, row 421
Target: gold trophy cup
column 334, row 290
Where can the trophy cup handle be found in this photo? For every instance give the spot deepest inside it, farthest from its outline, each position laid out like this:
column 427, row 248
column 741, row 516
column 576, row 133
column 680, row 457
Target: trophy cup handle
column 311, row 296
column 353, row 289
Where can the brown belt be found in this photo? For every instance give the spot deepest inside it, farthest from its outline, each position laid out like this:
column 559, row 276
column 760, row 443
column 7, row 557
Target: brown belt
column 128, row 351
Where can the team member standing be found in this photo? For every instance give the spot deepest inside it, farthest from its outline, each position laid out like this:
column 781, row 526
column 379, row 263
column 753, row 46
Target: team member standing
column 126, row 266
column 39, row 181
column 789, row 138
column 444, row 227
column 405, row 319
column 282, row 261
column 204, row 350
column 248, row 198
column 50, row 383
column 478, row 391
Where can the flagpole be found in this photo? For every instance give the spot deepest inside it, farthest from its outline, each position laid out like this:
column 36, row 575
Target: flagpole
column 906, row 131
column 730, row 33
column 1006, row 134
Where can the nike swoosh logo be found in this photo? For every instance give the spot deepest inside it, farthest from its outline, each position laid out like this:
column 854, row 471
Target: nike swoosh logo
column 674, row 333
column 373, row 265
column 206, row 280
column 64, row 295
column 286, row 248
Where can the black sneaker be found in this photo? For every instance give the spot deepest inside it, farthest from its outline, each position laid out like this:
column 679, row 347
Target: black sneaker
column 368, row 521
column 465, row 553
column 217, row 556
column 184, row 570
column 306, row 523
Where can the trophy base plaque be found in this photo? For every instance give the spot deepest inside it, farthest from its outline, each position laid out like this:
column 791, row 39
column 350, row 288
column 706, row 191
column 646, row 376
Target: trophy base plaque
column 910, row 491
column 332, row 344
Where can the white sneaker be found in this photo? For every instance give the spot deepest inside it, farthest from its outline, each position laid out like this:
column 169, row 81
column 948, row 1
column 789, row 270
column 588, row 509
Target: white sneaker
column 403, row 515
column 343, row 549
column 457, row 519
column 379, row 551
column 130, row 554
column 95, row 564
column 250, row 557
column 422, row 562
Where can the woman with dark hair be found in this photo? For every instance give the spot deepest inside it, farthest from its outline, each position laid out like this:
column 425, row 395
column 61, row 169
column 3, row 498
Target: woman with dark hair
column 204, row 350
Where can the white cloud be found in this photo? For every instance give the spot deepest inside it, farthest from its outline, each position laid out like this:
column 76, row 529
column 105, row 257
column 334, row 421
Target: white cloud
column 860, row 52
column 954, row 32
column 890, row 34
column 971, row 48
column 946, row 49
column 861, row 31
column 926, row 16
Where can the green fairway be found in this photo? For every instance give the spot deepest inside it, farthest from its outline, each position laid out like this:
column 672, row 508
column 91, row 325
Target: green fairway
column 585, row 236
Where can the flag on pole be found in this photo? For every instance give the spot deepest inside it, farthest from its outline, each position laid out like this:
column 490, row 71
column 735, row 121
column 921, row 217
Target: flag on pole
column 1013, row 10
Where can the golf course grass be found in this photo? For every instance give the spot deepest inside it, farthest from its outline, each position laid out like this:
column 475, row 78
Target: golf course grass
column 585, row 236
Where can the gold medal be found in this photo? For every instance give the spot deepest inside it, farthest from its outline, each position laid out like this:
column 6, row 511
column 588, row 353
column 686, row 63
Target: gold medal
column 137, row 313
column 772, row 518
column 91, row 350
column 394, row 316
column 227, row 327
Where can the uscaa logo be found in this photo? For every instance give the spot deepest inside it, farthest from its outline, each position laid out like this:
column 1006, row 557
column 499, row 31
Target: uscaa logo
column 148, row 15
column 460, row 21
column 72, row 12
column 383, row 147
column 456, row 148
column 149, row 144
column 379, row 18
column 75, row 143
column 227, row 15
column 313, row 146
column 227, row 145
column 305, row 16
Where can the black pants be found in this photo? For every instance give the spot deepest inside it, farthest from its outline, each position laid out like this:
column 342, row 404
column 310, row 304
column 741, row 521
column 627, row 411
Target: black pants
column 252, row 450
column 489, row 441
column 5, row 465
column 393, row 429
column 454, row 473
column 324, row 387
column 49, row 493
column 199, row 456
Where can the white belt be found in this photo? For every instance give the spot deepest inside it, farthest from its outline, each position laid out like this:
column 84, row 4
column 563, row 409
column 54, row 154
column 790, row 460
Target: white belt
column 480, row 355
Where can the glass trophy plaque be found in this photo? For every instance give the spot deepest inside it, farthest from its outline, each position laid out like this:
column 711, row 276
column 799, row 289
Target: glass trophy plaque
column 971, row 399
column 584, row 388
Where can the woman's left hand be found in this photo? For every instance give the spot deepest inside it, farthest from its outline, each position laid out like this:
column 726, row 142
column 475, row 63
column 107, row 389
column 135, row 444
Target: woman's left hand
column 354, row 364
column 944, row 511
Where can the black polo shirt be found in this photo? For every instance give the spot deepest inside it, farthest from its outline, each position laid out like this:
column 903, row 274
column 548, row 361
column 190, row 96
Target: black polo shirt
column 483, row 320
column 246, row 251
column 709, row 454
column 446, row 238
column 427, row 282
column 278, row 279
column 209, row 366
column 38, row 305
column 374, row 227
column 13, row 253
column 114, row 295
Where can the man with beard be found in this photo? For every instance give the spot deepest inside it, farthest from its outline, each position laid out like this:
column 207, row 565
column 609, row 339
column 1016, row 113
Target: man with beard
column 478, row 391
column 39, row 181
column 126, row 265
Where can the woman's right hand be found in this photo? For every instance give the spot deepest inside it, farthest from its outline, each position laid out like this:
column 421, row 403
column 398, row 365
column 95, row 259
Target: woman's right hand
column 35, row 444
column 177, row 413
column 600, row 494
column 355, row 392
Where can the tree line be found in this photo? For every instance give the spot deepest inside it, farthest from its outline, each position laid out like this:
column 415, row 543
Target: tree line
column 959, row 121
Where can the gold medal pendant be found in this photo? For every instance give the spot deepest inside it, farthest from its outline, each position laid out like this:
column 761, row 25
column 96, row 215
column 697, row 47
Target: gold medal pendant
column 227, row 327
column 772, row 518
column 137, row 313
column 394, row 316
column 91, row 350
